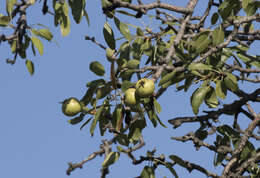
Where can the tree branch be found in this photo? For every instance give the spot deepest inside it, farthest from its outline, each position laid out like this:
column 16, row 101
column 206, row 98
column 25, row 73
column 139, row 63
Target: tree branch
column 229, row 109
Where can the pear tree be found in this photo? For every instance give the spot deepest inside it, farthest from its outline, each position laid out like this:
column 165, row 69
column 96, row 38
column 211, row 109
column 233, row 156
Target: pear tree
column 208, row 54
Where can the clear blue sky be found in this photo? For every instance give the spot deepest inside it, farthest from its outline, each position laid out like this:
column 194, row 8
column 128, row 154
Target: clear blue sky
column 36, row 139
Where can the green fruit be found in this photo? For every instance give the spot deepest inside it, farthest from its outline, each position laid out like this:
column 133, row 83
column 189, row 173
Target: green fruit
column 71, row 107
column 110, row 54
column 144, row 87
column 130, row 97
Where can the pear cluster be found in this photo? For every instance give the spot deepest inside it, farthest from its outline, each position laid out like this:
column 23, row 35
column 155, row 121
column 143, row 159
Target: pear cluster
column 144, row 88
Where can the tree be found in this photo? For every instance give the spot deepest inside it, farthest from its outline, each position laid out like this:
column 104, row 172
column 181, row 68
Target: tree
column 208, row 54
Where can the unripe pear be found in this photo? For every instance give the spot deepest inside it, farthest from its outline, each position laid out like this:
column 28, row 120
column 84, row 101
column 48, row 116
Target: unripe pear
column 71, row 107
column 145, row 87
column 130, row 97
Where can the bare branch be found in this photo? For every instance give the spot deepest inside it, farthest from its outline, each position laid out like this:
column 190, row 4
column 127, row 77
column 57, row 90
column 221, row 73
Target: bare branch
column 145, row 7
column 191, row 166
column 94, row 41
column 73, row 166
column 236, row 67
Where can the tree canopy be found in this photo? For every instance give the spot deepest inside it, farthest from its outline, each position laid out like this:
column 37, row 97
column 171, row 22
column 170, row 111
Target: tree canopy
column 208, row 53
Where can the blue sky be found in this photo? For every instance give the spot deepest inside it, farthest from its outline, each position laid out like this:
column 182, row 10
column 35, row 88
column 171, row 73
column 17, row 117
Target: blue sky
column 36, row 139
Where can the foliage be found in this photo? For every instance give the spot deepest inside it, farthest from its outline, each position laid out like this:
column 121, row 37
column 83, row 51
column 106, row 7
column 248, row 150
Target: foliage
column 209, row 54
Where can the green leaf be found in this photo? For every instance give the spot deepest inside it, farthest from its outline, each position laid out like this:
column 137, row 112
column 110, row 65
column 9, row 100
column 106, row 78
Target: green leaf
column 62, row 17
column 226, row 130
column 201, row 134
column 119, row 149
column 26, row 43
column 199, row 66
column 88, row 96
column 221, row 90
column 4, row 20
column 30, row 66
column 127, row 75
column 96, row 83
column 105, row 3
column 123, row 139
column 218, row 159
column 86, row 16
column 160, row 122
column 96, row 118
column 249, row 60
column 109, row 36
column 103, row 91
column 10, row 6
column 139, row 32
column 124, row 50
column 57, row 18
column 76, row 120
column 211, row 98
column 65, row 25
column 110, row 159
column 126, row 84
column 85, row 123
column 250, row 8
column 137, row 50
column 117, row 116
column 188, row 82
column 44, row 33
column 157, row 106
column 197, row 98
column 22, row 54
column 214, row 18
column 145, row 45
column 248, row 27
column 133, row 64
column 161, row 47
column 152, row 116
column 218, row 36
column 104, row 120
column 245, row 3
column 33, row 50
column 201, row 42
column 148, row 172
column 97, row 68
column 229, row 8
column 77, row 7
column 167, row 78
column 123, row 28
column 37, row 43
column 230, row 82
column 176, row 79
column 238, row 48
column 248, row 151
column 57, row 6
column 135, row 129
column 125, row 13
column 32, row 1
